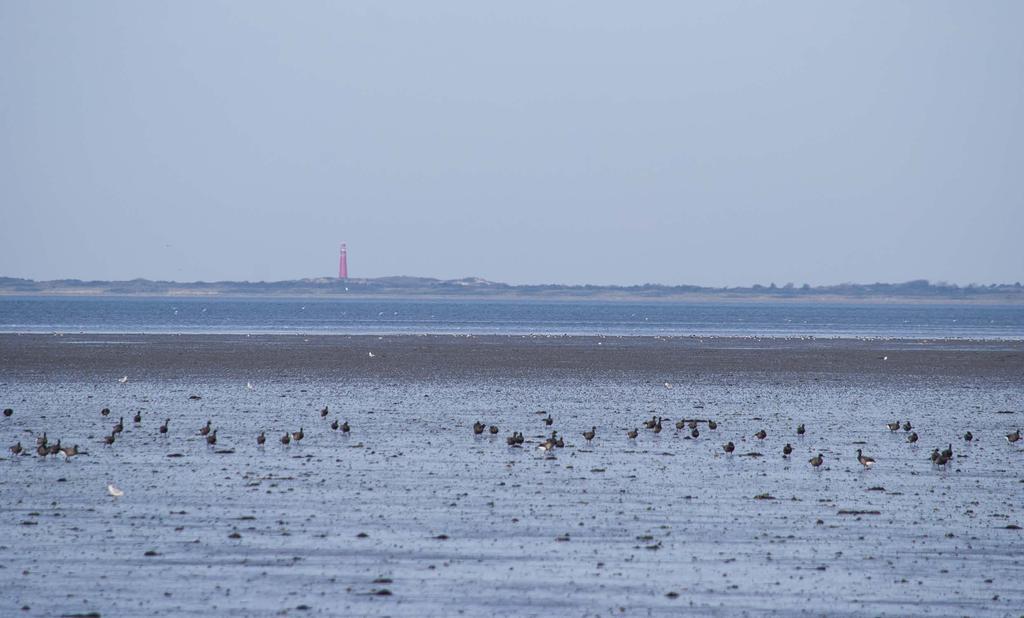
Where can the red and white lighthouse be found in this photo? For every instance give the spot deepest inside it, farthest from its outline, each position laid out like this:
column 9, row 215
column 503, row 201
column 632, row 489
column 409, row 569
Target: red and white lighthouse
column 343, row 263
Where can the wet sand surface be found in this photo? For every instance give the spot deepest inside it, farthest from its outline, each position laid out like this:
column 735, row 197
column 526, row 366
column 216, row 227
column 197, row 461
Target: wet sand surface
column 411, row 514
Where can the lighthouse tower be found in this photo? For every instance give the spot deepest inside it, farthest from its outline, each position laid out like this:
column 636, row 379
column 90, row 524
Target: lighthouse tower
column 343, row 263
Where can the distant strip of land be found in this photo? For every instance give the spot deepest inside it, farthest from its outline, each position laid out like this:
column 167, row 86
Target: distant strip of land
column 421, row 287
column 396, row 358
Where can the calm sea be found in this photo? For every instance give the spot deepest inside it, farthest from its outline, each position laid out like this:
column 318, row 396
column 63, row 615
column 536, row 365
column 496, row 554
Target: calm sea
column 361, row 316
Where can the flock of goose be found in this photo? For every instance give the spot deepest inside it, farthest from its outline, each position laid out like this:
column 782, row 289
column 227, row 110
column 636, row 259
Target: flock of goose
column 655, row 425
column 207, row 431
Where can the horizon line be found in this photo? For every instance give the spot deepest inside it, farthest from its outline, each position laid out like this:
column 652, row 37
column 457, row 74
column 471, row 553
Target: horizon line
column 921, row 282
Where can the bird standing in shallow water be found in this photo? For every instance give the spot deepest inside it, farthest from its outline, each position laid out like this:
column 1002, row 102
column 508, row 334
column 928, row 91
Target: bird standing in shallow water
column 694, row 433
column 478, row 428
column 864, row 460
column 548, row 420
column 632, row 434
column 334, row 425
column 968, row 436
column 729, row 447
column 285, row 439
column 589, row 435
column 163, row 428
column 800, row 429
column 817, row 460
column 893, row 426
column 912, row 437
column 907, row 426
column 298, row 435
column 712, row 425
column 345, row 428
column 786, row 450
column 212, row 438
column 206, row 429
column 761, row 435
column 16, row 449
column 108, row 440
column 260, row 439
column 323, row 412
column 105, row 412
column 119, row 427
column 137, row 418
column 1013, row 437
column 8, row 412
column 493, row 429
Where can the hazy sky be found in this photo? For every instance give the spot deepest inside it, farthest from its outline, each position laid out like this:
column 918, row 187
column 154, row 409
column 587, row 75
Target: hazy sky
column 715, row 143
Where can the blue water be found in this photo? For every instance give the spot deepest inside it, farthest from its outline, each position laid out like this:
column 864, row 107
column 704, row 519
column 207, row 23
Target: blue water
column 361, row 316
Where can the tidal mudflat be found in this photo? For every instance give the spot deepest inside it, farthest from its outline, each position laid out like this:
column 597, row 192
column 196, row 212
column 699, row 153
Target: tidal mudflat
column 411, row 514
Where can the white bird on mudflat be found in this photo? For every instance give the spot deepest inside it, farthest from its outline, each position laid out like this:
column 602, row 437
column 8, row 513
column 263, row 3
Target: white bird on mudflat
column 114, row 491
column 248, row 385
column 371, row 355
column 123, row 380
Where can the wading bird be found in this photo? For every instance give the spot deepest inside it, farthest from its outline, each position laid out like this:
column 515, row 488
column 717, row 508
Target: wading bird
column 864, row 460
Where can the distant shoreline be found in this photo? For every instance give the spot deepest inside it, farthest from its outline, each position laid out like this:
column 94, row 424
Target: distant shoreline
column 695, row 299
column 96, row 356
column 471, row 289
